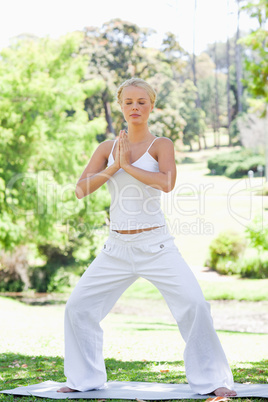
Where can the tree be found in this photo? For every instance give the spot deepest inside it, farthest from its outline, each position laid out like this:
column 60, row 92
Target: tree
column 257, row 66
column 194, row 117
column 238, row 62
column 228, row 82
column 216, row 125
column 116, row 52
column 256, row 62
column 45, row 140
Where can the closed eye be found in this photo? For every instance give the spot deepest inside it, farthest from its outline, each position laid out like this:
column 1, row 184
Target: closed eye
column 141, row 103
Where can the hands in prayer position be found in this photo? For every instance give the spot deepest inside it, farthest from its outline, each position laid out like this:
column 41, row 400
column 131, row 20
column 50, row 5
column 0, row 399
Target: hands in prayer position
column 122, row 155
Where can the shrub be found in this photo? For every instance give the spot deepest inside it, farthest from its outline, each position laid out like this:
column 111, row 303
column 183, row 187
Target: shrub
column 253, row 265
column 236, row 163
column 62, row 280
column 257, row 233
column 263, row 191
column 241, row 168
column 224, row 251
column 14, row 270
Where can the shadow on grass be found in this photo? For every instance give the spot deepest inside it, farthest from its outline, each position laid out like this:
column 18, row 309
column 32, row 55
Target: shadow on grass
column 21, row 370
column 187, row 159
column 226, row 331
column 153, row 326
column 37, row 299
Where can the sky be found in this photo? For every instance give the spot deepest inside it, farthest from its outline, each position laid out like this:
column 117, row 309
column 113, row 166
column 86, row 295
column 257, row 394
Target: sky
column 53, row 18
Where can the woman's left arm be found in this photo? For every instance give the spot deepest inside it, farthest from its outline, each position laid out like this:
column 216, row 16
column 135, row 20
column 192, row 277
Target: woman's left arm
column 166, row 177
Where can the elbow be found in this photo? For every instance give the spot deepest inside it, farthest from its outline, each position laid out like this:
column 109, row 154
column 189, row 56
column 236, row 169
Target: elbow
column 168, row 187
column 79, row 193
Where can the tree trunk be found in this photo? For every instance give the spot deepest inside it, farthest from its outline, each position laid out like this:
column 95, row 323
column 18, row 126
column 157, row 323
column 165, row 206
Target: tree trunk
column 228, row 82
column 190, row 145
column 217, row 122
column 197, row 101
column 205, row 141
column 266, row 144
column 108, row 115
column 238, row 63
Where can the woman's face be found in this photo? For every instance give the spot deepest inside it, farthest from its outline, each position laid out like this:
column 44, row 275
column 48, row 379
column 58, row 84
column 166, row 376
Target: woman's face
column 136, row 105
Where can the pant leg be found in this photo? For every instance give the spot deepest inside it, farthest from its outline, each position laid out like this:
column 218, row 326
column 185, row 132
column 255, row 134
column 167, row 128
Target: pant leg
column 205, row 362
column 93, row 297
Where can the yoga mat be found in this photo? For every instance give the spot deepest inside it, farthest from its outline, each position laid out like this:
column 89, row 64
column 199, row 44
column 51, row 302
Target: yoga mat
column 132, row 390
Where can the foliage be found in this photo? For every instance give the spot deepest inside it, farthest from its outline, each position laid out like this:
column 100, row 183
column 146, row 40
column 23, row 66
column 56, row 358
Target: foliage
column 167, row 123
column 206, row 90
column 257, row 233
column 236, row 163
column 263, row 191
column 225, row 249
column 124, row 42
column 252, row 130
column 241, row 168
column 253, row 265
column 14, row 270
column 46, row 140
column 230, row 253
column 194, row 116
column 256, row 63
column 116, row 52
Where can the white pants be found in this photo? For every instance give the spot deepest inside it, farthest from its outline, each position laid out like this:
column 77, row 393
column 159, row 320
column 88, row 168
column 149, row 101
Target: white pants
column 125, row 257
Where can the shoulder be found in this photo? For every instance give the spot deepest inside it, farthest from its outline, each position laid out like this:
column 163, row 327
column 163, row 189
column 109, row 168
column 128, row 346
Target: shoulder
column 105, row 147
column 163, row 144
column 164, row 141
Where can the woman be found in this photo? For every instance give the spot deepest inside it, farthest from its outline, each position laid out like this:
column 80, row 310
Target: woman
column 137, row 168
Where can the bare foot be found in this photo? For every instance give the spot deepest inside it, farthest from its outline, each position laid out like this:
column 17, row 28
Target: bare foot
column 222, row 391
column 66, row 389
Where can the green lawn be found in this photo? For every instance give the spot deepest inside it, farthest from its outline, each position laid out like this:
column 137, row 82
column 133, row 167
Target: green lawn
column 136, row 347
column 231, row 289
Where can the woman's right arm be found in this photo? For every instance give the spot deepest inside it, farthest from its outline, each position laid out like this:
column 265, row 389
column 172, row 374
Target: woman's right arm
column 96, row 173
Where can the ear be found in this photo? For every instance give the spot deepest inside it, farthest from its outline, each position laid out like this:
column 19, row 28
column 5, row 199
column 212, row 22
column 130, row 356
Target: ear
column 152, row 106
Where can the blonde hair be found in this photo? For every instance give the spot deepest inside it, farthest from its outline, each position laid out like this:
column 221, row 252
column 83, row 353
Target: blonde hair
column 137, row 82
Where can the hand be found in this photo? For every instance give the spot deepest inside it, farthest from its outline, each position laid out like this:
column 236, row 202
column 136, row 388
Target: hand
column 124, row 154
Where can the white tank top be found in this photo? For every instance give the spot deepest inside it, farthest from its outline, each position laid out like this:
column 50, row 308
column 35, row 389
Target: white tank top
column 134, row 205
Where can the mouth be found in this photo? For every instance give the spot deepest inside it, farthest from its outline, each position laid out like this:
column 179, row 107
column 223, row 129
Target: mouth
column 135, row 115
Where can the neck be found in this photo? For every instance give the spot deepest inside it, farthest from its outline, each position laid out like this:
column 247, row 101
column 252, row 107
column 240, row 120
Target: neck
column 138, row 133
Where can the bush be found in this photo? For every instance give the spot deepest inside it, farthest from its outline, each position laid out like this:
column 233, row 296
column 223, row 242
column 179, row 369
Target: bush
column 55, row 277
column 263, row 191
column 224, row 251
column 235, row 164
column 257, row 233
column 62, row 281
column 254, row 265
column 14, row 270
column 240, row 169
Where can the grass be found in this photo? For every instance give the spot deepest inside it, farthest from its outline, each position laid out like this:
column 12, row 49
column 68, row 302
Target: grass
column 21, row 370
column 231, row 289
column 136, row 347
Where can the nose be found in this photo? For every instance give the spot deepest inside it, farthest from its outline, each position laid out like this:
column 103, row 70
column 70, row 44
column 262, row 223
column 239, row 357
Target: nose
column 134, row 106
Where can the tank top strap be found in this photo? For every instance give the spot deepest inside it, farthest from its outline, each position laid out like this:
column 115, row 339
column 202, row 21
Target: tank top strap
column 152, row 143
column 113, row 147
